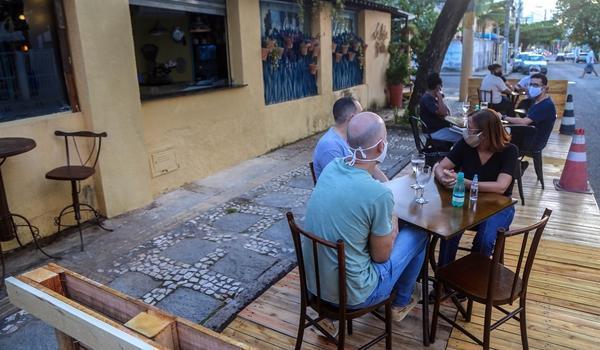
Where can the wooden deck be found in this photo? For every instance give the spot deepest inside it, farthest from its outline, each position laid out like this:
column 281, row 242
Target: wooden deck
column 563, row 297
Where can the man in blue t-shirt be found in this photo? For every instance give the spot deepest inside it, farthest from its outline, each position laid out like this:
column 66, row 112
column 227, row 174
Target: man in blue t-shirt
column 541, row 114
column 349, row 204
column 333, row 143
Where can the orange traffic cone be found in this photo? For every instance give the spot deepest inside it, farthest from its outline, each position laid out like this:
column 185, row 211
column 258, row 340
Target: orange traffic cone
column 574, row 177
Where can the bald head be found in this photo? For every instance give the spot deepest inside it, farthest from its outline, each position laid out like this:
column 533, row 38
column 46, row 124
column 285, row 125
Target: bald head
column 365, row 129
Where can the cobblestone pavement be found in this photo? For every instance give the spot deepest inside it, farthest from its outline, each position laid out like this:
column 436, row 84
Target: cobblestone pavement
column 208, row 266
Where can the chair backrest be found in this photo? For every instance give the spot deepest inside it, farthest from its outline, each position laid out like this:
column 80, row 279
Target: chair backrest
column 415, row 124
column 522, row 136
column 312, row 172
column 94, row 153
column 483, row 95
column 316, row 244
column 523, row 268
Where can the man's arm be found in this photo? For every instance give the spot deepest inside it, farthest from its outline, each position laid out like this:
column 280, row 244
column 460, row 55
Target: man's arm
column 519, row 121
column 380, row 247
column 442, row 110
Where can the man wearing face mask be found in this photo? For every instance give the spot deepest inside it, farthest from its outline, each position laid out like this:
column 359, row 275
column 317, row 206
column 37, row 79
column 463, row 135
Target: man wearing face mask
column 523, row 86
column 348, row 204
column 542, row 114
column 494, row 83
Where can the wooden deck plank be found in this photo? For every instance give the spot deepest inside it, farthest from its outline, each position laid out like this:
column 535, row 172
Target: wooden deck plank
column 563, row 293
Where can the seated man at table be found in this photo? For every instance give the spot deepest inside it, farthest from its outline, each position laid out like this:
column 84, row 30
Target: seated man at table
column 333, row 143
column 541, row 114
column 485, row 151
column 523, row 87
column 348, row 204
column 494, row 83
column 434, row 110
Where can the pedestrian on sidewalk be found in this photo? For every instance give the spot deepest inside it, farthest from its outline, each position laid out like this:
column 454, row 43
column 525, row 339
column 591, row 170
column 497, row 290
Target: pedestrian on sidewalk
column 590, row 60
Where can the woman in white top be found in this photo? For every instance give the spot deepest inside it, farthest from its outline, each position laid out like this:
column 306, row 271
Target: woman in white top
column 493, row 82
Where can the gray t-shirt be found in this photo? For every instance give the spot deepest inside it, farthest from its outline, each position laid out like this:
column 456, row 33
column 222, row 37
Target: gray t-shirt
column 347, row 204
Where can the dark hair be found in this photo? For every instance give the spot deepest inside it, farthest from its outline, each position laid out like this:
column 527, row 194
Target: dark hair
column 492, row 67
column 542, row 77
column 489, row 124
column 344, row 108
column 433, row 80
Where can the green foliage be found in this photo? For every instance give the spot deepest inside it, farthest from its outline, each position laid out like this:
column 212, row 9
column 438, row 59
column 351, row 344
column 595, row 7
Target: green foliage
column 541, row 33
column 491, row 10
column 582, row 20
column 398, row 71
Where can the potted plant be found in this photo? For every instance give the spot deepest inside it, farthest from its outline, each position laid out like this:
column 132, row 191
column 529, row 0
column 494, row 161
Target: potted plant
column 397, row 74
column 351, row 56
column 338, row 57
column 313, row 68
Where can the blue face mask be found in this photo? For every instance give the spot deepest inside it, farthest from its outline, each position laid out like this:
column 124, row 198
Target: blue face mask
column 534, row 91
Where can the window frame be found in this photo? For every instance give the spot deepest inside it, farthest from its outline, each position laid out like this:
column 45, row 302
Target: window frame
column 65, row 55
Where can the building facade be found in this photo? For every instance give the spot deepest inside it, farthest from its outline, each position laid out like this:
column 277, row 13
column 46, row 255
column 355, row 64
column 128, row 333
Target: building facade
column 184, row 88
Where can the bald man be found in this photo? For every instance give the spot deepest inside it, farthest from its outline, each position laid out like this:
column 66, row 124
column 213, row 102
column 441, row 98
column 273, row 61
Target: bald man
column 349, row 204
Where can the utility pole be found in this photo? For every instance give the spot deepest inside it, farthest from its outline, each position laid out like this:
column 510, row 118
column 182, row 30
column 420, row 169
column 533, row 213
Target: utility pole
column 508, row 7
column 467, row 51
column 518, row 26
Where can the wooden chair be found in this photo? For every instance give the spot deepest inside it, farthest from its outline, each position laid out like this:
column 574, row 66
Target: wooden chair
column 312, row 172
column 324, row 309
column 75, row 174
column 490, row 282
column 482, row 95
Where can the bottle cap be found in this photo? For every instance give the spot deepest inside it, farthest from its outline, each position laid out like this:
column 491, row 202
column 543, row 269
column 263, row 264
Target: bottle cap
column 461, row 175
column 475, row 178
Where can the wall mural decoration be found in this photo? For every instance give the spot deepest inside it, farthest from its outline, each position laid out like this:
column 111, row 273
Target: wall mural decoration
column 348, row 60
column 288, row 55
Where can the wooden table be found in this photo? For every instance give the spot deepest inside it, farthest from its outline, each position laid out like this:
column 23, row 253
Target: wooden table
column 458, row 121
column 440, row 219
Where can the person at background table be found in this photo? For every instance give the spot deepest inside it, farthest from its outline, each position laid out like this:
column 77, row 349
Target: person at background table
column 493, row 82
column 434, row 110
column 590, row 60
column 523, row 87
column 541, row 114
column 333, row 143
column 347, row 203
column 485, row 151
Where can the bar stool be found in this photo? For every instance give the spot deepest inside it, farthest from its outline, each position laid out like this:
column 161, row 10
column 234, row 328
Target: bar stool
column 75, row 174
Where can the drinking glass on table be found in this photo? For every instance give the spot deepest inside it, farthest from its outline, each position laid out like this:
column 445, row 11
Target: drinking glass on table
column 423, row 177
column 465, row 108
column 484, row 104
column 416, row 161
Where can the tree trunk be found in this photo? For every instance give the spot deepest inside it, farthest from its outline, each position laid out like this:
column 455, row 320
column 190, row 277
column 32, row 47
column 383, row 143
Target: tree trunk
column 433, row 57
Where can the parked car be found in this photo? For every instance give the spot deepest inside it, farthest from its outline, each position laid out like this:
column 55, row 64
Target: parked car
column 560, row 57
column 581, row 58
column 534, row 60
column 518, row 61
column 570, row 56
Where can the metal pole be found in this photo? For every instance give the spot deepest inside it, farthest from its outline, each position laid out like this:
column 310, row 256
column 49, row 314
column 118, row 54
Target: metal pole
column 507, row 9
column 467, row 51
column 518, row 27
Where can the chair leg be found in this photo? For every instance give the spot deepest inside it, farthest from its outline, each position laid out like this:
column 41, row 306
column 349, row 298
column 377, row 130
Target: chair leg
column 349, row 323
column 538, row 165
column 520, row 187
column 436, row 309
column 77, row 210
column 469, row 310
column 388, row 326
column 301, row 326
column 342, row 334
column 523, row 324
column 487, row 323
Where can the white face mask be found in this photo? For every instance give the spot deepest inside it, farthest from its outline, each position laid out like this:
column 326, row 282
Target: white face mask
column 471, row 139
column 534, row 91
column 361, row 150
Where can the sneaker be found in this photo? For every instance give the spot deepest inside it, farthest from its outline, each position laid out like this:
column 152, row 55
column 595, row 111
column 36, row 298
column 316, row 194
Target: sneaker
column 331, row 326
column 399, row 313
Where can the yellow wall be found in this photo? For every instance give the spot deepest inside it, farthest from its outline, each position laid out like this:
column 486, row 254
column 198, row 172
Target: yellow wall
column 208, row 131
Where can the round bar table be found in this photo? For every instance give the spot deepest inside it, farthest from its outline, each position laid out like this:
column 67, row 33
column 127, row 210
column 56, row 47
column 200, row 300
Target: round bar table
column 12, row 146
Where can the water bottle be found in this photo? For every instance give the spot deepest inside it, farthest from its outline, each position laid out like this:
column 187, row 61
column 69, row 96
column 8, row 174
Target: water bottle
column 458, row 194
column 474, row 189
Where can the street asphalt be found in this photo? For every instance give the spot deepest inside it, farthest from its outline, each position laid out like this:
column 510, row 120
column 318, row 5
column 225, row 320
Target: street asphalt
column 585, row 91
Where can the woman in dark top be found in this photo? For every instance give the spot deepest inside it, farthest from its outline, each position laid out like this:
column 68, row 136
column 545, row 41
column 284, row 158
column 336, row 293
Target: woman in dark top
column 485, row 151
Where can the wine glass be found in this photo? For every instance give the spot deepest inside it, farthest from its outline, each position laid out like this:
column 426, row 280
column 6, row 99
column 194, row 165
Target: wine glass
column 465, row 108
column 423, row 177
column 416, row 161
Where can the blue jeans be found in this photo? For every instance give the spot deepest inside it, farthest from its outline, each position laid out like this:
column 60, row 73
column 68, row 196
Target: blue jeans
column 401, row 270
column 485, row 239
column 446, row 134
